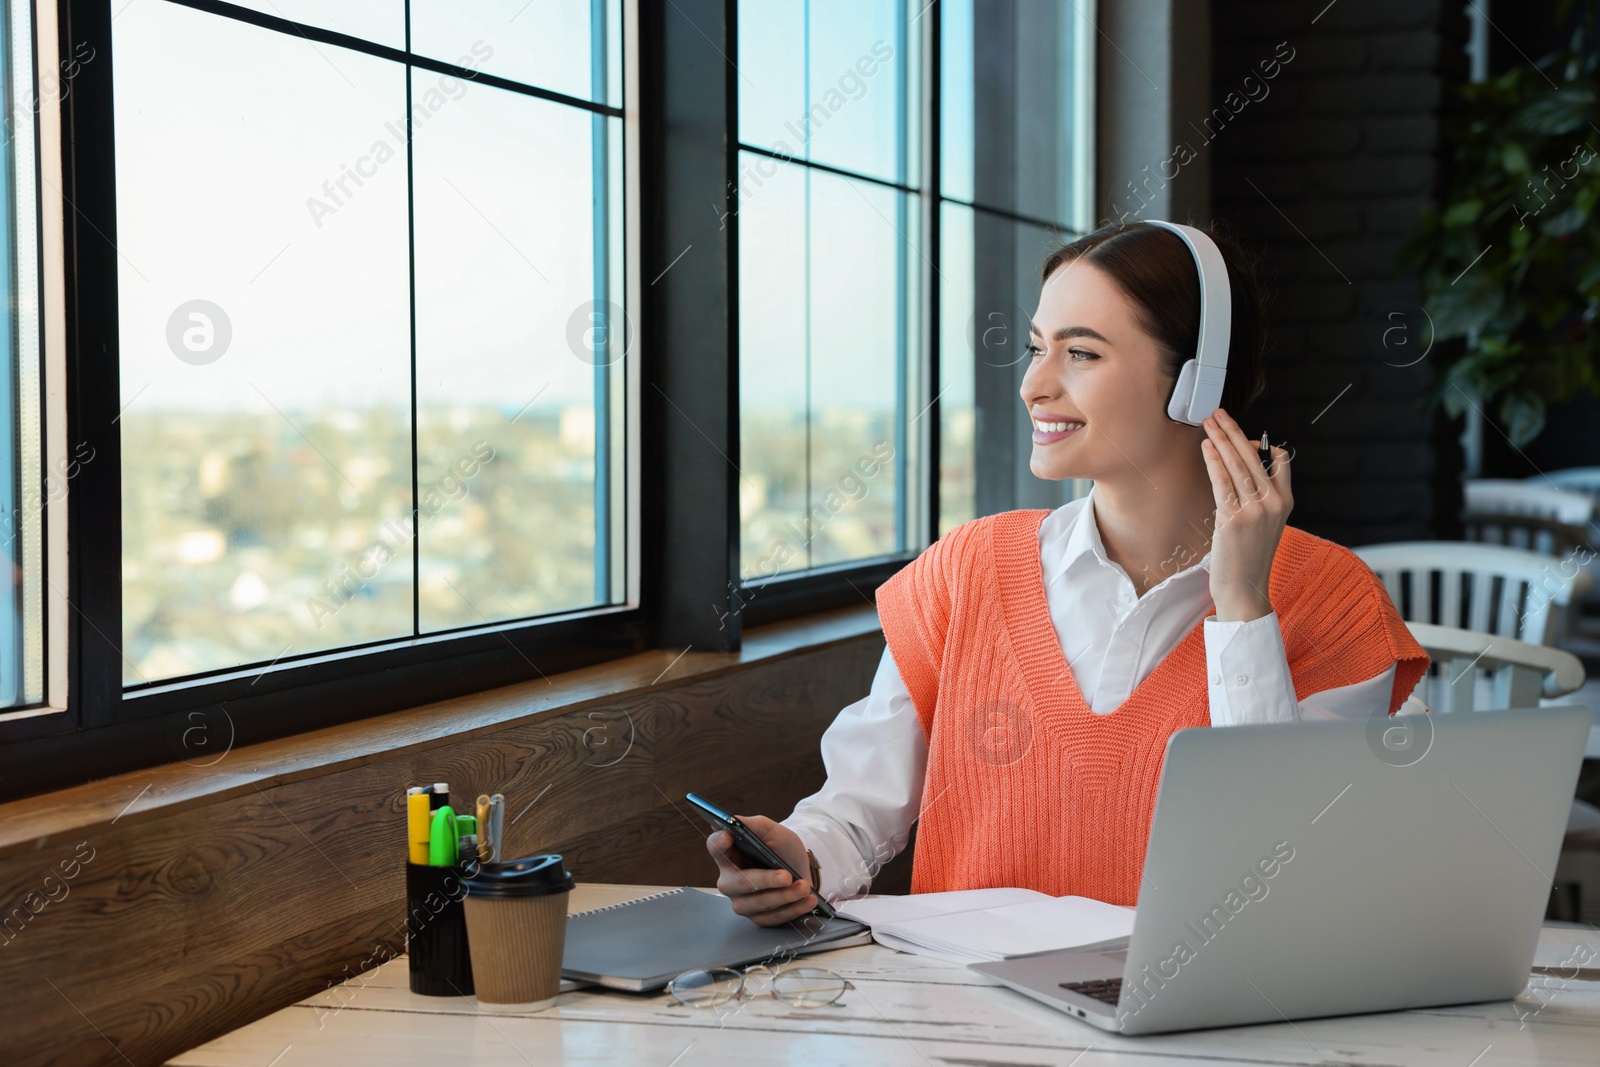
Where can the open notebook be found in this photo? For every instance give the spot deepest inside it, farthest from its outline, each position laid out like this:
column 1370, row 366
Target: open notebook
column 643, row 944
column 974, row 925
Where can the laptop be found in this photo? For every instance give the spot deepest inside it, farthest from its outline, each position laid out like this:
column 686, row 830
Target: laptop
column 1308, row 869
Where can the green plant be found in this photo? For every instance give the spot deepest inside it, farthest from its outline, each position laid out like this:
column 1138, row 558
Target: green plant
column 1510, row 258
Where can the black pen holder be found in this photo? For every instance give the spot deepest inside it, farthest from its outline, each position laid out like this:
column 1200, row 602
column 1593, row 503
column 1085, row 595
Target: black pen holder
column 436, row 930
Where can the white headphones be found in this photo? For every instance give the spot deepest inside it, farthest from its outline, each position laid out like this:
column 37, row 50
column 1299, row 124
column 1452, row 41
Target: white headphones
column 1198, row 391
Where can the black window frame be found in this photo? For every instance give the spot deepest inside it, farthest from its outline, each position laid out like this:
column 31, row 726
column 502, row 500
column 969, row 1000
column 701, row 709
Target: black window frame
column 690, row 595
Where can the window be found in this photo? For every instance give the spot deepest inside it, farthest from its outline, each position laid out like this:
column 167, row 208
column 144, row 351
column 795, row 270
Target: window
column 25, row 482
column 371, row 326
column 830, row 272
column 1015, row 152
column 844, row 347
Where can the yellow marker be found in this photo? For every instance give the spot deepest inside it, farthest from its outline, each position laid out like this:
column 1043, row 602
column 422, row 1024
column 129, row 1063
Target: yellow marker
column 418, row 825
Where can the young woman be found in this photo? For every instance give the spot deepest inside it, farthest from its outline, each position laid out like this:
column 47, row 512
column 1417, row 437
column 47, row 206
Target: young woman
column 1038, row 661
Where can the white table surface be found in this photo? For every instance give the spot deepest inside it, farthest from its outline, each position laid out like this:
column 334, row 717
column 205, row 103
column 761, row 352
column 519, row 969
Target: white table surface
column 905, row 1010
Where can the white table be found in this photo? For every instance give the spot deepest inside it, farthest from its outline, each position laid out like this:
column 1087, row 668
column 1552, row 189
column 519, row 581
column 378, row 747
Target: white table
column 905, row 1010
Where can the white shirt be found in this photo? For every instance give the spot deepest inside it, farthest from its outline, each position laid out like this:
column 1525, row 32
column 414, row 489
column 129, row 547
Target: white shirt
column 875, row 752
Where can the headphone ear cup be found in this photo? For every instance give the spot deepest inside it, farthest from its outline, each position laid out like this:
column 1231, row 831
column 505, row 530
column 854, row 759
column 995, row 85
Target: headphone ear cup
column 1208, row 382
column 1198, row 390
column 1182, row 394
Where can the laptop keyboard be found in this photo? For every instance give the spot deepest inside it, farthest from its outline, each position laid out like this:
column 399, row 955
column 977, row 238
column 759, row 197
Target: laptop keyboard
column 1108, row 990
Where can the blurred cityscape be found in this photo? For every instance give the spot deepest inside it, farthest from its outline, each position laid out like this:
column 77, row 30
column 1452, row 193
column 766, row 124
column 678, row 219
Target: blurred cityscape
column 247, row 538
column 251, row 537
column 853, row 501
column 841, row 505
column 958, row 459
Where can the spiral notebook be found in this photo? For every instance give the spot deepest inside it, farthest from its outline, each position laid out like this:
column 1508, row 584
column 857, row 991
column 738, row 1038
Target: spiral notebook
column 643, row 944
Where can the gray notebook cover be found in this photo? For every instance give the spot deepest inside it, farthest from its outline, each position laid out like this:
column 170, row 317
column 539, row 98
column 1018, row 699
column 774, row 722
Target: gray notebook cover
column 643, row 944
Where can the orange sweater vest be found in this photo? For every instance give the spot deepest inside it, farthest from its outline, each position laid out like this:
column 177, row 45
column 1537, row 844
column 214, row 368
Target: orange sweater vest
column 1025, row 785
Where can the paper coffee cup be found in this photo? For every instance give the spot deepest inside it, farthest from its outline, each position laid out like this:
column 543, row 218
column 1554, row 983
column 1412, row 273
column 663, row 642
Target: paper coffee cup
column 517, row 930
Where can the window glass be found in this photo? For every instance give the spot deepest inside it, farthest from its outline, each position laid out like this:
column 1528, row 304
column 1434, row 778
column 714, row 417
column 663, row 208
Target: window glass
column 858, row 330
column 825, row 332
column 773, row 374
column 830, row 269
column 382, row 21
column 1015, row 165
column 567, row 46
column 1024, row 118
column 367, row 393
column 956, row 99
column 959, row 334
column 508, row 408
column 829, row 81
column 265, row 343
column 24, row 494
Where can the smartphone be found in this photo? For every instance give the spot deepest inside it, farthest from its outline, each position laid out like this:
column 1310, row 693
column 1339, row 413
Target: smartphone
column 754, row 849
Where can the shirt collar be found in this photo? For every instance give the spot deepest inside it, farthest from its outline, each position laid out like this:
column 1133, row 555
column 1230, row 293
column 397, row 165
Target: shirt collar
column 1083, row 546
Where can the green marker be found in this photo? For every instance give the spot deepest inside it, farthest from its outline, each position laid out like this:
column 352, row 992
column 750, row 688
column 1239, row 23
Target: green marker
column 466, row 839
column 442, row 838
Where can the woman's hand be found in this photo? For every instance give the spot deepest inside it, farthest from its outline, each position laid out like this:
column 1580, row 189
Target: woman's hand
column 770, row 898
column 1251, row 512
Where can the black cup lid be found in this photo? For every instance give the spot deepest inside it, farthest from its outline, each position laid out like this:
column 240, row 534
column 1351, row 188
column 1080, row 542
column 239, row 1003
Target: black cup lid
column 535, row 876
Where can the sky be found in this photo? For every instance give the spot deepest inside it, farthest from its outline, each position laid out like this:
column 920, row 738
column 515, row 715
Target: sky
column 236, row 149
column 265, row 175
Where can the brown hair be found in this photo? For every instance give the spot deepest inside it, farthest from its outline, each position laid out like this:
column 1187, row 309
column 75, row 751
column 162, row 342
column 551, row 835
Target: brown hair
column 1154, row 267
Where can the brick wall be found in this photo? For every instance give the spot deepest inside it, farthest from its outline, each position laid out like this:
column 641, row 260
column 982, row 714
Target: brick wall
column 1322, row 170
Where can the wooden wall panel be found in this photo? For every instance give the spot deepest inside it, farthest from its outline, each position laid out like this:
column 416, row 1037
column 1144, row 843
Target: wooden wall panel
column 178, row 927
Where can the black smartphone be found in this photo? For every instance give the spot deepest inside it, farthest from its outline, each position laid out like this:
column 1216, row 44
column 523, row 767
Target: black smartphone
column 754, row 849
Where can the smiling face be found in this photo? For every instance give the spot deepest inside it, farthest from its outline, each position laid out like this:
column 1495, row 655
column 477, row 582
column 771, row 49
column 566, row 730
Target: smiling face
column 1097, row 385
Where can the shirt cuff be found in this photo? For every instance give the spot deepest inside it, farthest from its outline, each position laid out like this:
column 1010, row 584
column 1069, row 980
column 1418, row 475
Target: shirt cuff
column 1247, row 672
column 844, row 872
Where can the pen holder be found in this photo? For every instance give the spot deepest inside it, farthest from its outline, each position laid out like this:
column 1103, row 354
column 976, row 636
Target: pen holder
column 436, row 930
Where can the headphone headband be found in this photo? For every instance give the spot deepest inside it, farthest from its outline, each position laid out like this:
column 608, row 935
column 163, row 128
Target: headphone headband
column 1198, row 391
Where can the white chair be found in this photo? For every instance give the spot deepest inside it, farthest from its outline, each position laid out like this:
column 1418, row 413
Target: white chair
column 1519, row 673
column 1492, row 589
column 1530, row 496
column 1528, row 514
column 1474, row 671
column 1585, row 480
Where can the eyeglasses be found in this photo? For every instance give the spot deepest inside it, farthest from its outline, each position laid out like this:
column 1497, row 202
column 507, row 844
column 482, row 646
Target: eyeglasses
column 800, row 987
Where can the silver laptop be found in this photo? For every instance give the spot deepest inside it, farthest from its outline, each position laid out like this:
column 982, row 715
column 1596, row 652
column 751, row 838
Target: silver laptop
column 1329, row 868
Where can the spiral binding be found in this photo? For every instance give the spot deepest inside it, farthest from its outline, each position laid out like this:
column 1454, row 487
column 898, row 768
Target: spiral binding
column 627, row 903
